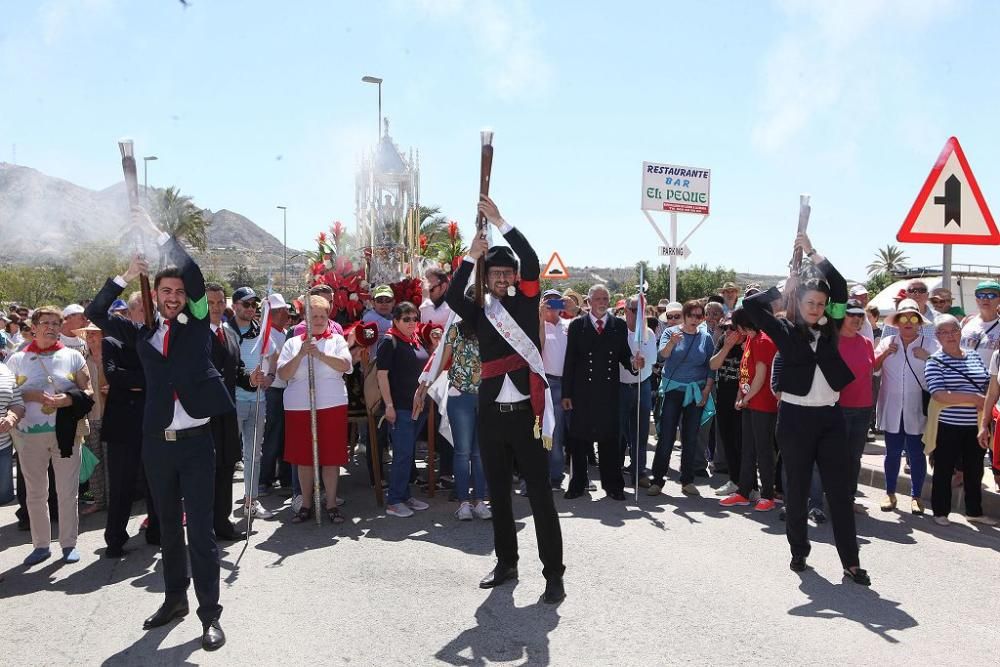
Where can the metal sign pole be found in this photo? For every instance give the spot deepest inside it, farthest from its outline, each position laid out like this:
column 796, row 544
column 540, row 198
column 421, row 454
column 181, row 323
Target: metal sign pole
column 673, row 258
column 946, row 267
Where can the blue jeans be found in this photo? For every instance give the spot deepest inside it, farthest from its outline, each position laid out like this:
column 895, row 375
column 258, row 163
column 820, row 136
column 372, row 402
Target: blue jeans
column 245, row 418
column 557, row 457
column 689, row 418
column 463, row 413
column 274, row 434
column 627, row 406
column 403, row 438
column 6, row 475
column 895, row 444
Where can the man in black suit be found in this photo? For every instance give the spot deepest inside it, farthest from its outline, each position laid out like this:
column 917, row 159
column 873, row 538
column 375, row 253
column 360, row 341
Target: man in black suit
column 121, row 429
column 183, row 391
column 509, row 395
column 225, row 430
column 597, row 344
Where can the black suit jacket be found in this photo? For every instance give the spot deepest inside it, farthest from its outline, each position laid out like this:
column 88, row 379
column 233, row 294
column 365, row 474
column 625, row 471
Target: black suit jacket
column 126, row 400
column 225, row 430
column 189, row 372
column 523, row 306
column 591, row 376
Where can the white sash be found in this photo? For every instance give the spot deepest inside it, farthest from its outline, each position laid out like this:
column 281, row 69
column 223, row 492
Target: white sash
column 507, row 326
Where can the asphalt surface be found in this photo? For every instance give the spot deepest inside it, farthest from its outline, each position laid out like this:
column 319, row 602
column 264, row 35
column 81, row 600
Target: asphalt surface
column 667, row 581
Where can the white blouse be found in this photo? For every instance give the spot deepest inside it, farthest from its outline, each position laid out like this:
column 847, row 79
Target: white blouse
column 900, row 404
column 330, row 388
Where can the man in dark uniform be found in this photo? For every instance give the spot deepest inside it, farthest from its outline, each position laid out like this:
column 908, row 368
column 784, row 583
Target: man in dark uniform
column 508, row 429
column 121, row 429
column 183, row 390
column 225, row 430
column 597, row 344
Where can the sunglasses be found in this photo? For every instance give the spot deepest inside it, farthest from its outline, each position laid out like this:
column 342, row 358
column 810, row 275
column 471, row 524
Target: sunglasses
column 987, row 295
column 409, row 319
column 916, row 290
column 697, row 315
column 383, row 299
column 431, row 288
column 907, row 319
column 936, row 299
column 672, row 317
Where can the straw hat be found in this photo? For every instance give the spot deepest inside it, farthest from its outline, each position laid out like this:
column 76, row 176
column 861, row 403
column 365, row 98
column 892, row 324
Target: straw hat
column 906, row 307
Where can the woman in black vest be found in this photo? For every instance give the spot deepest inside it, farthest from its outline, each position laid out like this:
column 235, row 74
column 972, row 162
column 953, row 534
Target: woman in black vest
column 811, row 428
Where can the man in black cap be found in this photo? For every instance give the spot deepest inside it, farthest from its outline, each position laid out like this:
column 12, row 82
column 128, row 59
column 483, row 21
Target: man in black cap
column 514, row 404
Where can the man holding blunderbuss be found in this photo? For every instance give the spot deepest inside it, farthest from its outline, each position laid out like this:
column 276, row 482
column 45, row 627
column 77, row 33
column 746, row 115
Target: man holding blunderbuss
column 515, row 408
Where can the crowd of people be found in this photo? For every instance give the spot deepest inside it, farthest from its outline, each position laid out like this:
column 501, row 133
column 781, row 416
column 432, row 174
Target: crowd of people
column 777, row 391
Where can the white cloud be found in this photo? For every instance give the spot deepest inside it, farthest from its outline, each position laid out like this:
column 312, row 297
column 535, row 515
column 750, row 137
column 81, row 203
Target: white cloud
column 824, row 61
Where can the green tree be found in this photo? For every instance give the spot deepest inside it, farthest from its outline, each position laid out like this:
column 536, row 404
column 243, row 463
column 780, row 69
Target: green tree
column 176, row 214
column 35, row 286
column 695, row 282
column 878, row 282
column 888, row 260
column 91, row 266
column 241, row 276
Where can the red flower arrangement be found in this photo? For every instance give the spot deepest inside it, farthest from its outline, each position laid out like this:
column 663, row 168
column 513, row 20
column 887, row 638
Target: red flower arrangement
column 328, row 266
column 408, row 289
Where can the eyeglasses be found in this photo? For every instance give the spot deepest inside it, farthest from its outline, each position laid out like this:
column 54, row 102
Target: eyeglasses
column 248, row 304
column 50, row 324
column 908, row 319
column 409, row 319
column 431, row 288
column 383, row 299
column 500, row 273
column 673, row 316
column 937, row 299
column 916, row 290
column 987, row 295
column 698, row 315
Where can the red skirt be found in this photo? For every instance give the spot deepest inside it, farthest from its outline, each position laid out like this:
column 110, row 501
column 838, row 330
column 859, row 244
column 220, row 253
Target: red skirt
column 331, row 436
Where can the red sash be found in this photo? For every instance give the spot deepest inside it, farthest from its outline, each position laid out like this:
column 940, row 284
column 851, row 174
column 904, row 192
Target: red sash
column 511, row 363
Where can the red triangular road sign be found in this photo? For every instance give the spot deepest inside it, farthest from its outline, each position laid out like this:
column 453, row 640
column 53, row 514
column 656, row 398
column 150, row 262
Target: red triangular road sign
column 555, row 269
column 950, row 207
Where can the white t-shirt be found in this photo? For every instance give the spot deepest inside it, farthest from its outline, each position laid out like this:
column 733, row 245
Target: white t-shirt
column 330, row 388
column 981, row 337
column 439, row 315
column 278, row 339
column 32, row 372
column 648, row 351
column 554, row 348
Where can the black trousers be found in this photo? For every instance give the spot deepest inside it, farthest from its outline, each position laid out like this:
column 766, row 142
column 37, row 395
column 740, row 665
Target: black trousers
column 817, row 435
column 758, row 435
column 185, row 469
column 957, row 447
column 729, row 432
column 124, row 461
column 223, row 498
column 608, row 459
column 506, row 438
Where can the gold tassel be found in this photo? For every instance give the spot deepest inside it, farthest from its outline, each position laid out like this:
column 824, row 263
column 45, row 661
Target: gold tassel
column 537, row 432
column 538, row 428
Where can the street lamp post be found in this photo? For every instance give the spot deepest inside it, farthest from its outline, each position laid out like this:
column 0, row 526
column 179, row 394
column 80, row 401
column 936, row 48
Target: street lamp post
column 378, row 81
column 145, row 176
column 284, row 249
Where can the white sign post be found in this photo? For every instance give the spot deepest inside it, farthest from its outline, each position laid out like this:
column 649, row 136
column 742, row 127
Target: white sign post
column 676, row 189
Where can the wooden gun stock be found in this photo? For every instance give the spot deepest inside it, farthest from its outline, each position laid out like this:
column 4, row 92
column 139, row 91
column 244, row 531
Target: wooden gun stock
column 132, row 188
column 485, row 171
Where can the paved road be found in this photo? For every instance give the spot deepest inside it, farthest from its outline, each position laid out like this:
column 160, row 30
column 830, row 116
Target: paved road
column 671, row 580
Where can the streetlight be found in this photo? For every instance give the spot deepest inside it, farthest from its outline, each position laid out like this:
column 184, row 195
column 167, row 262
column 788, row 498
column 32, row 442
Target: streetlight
column 284, row 250
column 376, row 80
column 145, row 176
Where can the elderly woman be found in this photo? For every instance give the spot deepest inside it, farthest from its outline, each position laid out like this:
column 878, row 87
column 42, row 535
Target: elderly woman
column 900, row 411
column 401, row 359
column 957, row 380
column 856, row 399
column 11, row 412
column 686, row 388
column 331, row 362
column 811, row 428
column 52, row 377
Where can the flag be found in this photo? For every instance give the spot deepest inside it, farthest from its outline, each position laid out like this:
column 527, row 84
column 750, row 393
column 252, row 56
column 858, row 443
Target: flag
column 640, row 313
column 264, row 343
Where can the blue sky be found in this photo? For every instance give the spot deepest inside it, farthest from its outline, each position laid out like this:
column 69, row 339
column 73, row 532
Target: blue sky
column 848, row 101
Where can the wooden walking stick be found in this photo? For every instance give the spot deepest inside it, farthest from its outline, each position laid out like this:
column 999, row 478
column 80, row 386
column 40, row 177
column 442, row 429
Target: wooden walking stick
column 431, row 432
column 313, row 426
column 374, row 453
column 485, row 171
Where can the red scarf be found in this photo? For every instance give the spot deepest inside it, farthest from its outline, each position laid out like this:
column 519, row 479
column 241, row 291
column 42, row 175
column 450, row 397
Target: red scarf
column 326, row 334
column 37, row 350
column 411, row 340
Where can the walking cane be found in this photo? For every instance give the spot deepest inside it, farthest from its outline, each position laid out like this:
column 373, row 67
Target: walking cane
column 374, row 453
column 312, row 414
column 248, row 503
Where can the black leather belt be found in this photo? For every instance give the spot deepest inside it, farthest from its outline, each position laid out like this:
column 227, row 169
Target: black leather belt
column 183, row 434
column 513, row 407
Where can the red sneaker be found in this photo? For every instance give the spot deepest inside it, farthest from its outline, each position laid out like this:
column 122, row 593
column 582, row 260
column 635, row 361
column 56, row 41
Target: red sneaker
column 145, row 524
column 734, row 500
column 764, row 505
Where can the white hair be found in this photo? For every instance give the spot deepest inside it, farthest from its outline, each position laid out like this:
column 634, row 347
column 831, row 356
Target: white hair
column 598, row 288
column 944, row 320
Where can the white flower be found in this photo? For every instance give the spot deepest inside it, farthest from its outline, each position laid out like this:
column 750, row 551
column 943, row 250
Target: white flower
column 354, row 297
column 182, row 318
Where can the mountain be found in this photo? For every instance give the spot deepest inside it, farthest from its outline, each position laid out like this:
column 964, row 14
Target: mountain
column 43, row 218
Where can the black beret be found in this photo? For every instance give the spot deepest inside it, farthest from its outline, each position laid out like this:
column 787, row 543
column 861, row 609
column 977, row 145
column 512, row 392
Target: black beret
column 501, row 255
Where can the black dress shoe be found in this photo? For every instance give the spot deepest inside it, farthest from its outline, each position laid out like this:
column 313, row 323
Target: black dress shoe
column 231, row 535
column 116, row 551
column 153, row 538
column 498, row 575
column 167, row 612
column 554, row 591
column 570, row 495
column 213, row 637
column 798, row 564
column 617, row 495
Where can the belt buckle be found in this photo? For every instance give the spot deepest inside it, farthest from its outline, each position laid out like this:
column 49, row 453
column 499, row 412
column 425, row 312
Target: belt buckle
column 506, row 407
column 170, row 436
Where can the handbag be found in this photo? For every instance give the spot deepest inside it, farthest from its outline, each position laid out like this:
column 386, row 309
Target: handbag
column 925, row 396
column 88, row 463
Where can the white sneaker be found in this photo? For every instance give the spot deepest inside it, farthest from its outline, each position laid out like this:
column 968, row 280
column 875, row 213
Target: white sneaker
column 257, row 511
column 982, row 520
column 690, row 490
column 400, row 510
column 482, row 510
column 464, row 512
column 942, row 521
column 754, row 496
column 417, row 505
column 296, row 504
column 728, row 490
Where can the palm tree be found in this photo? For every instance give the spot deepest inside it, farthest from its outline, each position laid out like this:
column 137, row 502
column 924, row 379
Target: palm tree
column 888, row 260
column 177, row 215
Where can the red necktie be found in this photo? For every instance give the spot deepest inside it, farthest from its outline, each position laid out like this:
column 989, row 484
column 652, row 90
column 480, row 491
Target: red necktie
column 600, row 327
column 221, row 335
column 166, row 339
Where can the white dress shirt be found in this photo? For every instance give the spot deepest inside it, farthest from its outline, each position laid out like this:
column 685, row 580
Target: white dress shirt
column 554, row 349
column 182, row 420
column 648, row 351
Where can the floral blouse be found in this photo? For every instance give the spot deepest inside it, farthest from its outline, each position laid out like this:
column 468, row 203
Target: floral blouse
column 465, row 362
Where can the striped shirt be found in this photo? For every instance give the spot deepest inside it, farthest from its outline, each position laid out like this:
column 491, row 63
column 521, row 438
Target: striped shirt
column 946, row 373
column 10, row 396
